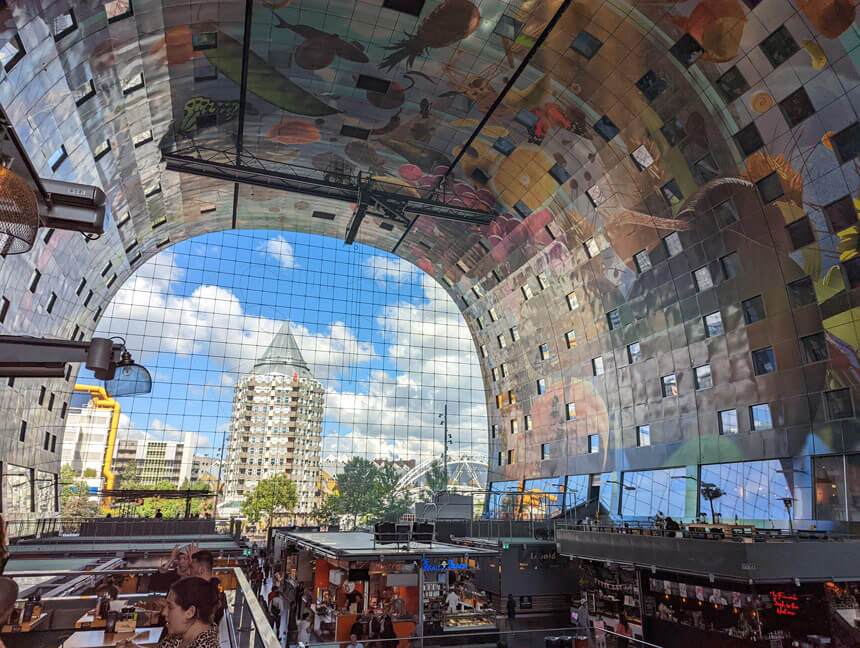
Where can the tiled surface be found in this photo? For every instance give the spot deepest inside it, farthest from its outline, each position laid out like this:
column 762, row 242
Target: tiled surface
column 307, row 58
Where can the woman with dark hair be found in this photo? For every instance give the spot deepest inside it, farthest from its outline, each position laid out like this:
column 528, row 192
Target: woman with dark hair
column 192, row 604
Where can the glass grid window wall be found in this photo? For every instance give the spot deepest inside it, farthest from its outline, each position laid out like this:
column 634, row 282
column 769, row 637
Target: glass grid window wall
column 225, row 321
column 656, row 491
column 752, row 490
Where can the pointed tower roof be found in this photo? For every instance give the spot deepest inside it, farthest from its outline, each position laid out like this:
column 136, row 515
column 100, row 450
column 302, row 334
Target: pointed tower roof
column 283, row 356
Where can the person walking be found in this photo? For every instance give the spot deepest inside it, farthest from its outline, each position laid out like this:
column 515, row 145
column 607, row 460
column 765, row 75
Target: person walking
column 583, row 618
column 303, row 636
column 387, row 632
column 512, row 611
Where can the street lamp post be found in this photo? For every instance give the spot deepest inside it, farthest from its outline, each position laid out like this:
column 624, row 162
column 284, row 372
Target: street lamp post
column 708, row 490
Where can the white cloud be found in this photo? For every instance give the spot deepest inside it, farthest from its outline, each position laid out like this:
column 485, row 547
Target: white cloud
column 384, row 269
column 280, row 249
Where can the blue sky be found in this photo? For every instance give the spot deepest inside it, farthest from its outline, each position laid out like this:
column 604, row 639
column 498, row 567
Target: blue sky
column 387, row 342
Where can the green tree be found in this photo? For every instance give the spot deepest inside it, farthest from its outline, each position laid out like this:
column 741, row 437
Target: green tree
column 391, row 504
column 90, row 473
column 436, row 478
column 128, row 478
column 275, row 496
column 327, row 512
column 75, row 499
column 357, row 487
column 170, row 508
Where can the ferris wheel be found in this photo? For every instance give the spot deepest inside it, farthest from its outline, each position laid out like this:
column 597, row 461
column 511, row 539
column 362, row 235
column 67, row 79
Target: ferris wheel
column 467, row 473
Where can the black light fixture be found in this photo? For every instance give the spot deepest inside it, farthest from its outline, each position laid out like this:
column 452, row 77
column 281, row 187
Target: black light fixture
column 129, row 378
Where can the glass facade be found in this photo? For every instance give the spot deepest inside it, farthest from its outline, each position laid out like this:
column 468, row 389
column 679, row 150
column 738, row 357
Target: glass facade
column 504, row 500
column 18, row 488
column 543, row 497
column 655, row 491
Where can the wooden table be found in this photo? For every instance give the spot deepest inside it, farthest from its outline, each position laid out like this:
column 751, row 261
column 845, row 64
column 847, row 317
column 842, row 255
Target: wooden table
column 24, row 626
column 98, row 638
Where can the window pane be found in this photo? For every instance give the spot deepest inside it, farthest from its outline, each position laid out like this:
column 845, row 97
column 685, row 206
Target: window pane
column 729, row 422
column 814, row 347
column 839, row 404
column 593, row 443
column 643, row 261
column 591, row 248
column 760, row 417
column 570, row 338
column 597, row 365
column 830, row 493
column 614, row 319
column 670, row 385
column 753, row 309
column 541, row 386
column 673, row 244
column 764, row 361
column 731, row 265
column 702, row 277
column 703, row 377
column 800, row 233
column 653, row 492
column 634, row 352
column 801, row 292
column 713, row 324
column 643, row 435
column 571, row 411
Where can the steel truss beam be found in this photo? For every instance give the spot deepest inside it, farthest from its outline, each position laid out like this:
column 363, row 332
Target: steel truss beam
column 389, row 201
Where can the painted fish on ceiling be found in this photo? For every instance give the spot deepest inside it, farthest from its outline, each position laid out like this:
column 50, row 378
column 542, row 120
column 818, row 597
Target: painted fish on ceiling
column 264, row 80
column 320, row 48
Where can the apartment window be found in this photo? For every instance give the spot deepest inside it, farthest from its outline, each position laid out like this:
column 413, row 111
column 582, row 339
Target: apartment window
column 714, row 324
column 669, row 385
column 651, row 85
column 494, row 430
column 542, row 281
column 726, row 213
column 4, row 310
column 527, row 422
column 851, row 267
column 541, row 386
column 499, row 400
column 570, row 339
column 504, row 367
column 22, row 431
column 613, row 318
column 544, row 451
column 493, row 315
column 81, row 287
column 729, row 421
column 634, row 352
column 796, row 107
column 839, row 404
column 12, row 52
column 593, row 443
column 800, row 233
column 511, row 457
column 514, row 426
column 204, row 41
column 572, row 301
column 133, row 84
column 571, row 411
column 527, row 291
column 512, row 397
column 770, row 187
column 841, row 214
column 779, row 46
column 814, row 347
column 480, row 321
column 118, row 9
column 42, row 392
column 597, row 365
column 478, row 291
column 764, row 361
column 642, row 158
column 642, row 260
column 846, row 143
column 515, row 334
column 83, row 93
column 760, row 418
column 643, row 436
column 499, row 459
column 543, row 349
column 731, row 264
column 53, row 443
column 591, row 248
column 586, row 45
column 749, row 139
column 483, row 350
column 801, row 293
column 51, row 302
column 673, row 244
column 687, row 50
column 703, row 377
column 495, row 371
column 501, row 340
column 672, row 193
column 753, row 309
column 703, row 280
column 606, row 128
column 34, row 282
column 732, row 84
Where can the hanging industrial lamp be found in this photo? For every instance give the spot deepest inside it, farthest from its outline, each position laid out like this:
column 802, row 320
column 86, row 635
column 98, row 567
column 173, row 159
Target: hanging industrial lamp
column 19, row 213
column 129, row 378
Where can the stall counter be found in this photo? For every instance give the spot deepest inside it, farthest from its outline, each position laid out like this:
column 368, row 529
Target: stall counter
column 402, row 628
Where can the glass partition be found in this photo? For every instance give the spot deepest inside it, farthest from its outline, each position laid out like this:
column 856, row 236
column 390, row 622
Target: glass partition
column 649, row 492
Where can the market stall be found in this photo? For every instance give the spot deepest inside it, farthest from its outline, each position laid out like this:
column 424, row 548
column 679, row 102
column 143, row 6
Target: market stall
column 355, row 586
column 611, row 591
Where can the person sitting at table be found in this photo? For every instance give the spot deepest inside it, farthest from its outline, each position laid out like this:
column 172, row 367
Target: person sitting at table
column 192, row 604
column 671, row 525
column 8, row 596
column 202, row 563
column 176, row 567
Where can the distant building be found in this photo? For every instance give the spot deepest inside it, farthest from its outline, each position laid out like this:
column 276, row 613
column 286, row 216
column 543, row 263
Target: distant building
column 276, row 426
column 85, row 438
column 156, row 460
column 204, row 469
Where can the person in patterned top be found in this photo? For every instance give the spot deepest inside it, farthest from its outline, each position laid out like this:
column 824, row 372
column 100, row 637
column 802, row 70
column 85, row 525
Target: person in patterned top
column 192, row 604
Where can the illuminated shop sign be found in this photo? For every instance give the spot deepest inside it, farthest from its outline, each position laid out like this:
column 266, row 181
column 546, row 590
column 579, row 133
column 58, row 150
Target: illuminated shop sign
column 785, row 604
column 439, row 565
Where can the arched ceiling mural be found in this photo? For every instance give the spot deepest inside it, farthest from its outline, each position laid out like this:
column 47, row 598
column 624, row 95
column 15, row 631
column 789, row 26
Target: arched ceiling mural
column 598, row 128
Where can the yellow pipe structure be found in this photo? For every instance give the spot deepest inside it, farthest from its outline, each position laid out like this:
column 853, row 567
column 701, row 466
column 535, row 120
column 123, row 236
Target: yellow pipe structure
column 101, row 399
